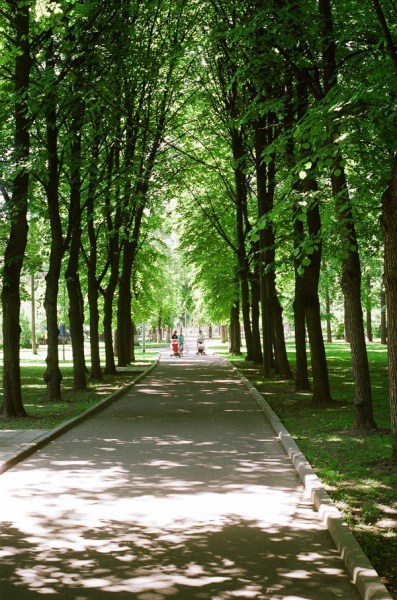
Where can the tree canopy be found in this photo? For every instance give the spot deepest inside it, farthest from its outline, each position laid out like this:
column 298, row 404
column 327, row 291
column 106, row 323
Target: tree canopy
column 231, row 161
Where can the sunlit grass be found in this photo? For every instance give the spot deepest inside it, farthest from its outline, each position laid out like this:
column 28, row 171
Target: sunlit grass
column 43, row 414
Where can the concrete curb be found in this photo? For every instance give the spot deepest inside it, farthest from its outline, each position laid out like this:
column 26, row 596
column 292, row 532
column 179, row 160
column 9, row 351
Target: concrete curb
column 363, row 574
column 57, row 431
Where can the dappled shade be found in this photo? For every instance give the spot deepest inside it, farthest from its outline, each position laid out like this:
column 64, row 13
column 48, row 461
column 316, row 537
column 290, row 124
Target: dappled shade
column 178, row 490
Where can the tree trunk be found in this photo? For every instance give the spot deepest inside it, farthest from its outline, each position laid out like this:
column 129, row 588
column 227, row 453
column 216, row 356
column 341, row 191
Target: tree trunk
column 351, row 287
column 245, row 307
column 115, row 342
column 311, row 277
column 92, row 259
column 389, row 228
column 369, row 309
column 383, row 317
column 124, row 318
column 267, row 353
column 243, row 267
column 76, row 320
column 33, row 313
column 388, row 222
column 271, row 307
column 159, row 336
column 53, row 375
column 351, row 270
column 17, row 206
column 234, row 338
column 346, row 335
column 308, row 302
column 328, row 315
column 280, row 349
column 76, row 305
column 308, row 249
column 255, row 302
column 301, row 374
column 133, row 332
column 113, row 249
column 264, row 206
column 110, row 364
column 93, row 297
column 321, row 387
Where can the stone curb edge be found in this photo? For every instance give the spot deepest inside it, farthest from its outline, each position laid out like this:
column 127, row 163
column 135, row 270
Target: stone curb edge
column 363, row 574
column 57, row 431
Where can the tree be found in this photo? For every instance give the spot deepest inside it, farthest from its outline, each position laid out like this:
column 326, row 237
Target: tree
column 16, row 207
column 351, row 271
column 76, row 305
column 148, row 116
column 389, row 226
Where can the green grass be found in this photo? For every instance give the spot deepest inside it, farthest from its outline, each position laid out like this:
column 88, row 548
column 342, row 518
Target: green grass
column 354, row 468
column 47, row 415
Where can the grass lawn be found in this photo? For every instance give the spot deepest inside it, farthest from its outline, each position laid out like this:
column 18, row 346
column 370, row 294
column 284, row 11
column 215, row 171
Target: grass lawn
column 47, row 415
column 353, row 467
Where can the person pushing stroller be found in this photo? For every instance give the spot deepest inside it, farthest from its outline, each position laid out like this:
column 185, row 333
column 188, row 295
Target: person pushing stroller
column 181, row 341
column 200, row 343
column 175, row 344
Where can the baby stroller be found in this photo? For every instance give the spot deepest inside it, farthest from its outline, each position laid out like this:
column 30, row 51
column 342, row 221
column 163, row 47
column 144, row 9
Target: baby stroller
column 175, row 348
column 200, row 347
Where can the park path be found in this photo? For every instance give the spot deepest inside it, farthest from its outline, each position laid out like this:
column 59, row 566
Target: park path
column 178, row 490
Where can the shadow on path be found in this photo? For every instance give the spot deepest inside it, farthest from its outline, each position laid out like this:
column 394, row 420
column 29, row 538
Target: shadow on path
column 177, row 490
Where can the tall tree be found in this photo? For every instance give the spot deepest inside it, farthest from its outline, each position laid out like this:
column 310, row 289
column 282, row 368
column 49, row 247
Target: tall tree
column 351, row 270
column 389, row 228
column 92, row 255
column 17, row 207
column 76, row 305
column 53, row 376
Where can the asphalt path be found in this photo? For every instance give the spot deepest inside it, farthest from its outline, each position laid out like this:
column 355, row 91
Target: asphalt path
column 178, row 490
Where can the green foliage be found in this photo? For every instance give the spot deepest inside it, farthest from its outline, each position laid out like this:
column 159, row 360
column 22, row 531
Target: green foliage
column 161, row 89
column 26, row 333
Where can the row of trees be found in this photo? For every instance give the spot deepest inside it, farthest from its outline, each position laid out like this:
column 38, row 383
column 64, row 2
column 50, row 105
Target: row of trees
column 272, row 123
column 87, row 107
column 294, row 175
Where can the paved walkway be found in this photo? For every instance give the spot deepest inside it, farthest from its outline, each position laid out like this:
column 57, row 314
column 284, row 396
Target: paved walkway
column 12, row 440
column 178, row 490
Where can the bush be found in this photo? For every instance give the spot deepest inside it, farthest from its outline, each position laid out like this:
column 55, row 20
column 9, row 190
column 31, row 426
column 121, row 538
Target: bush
column 338, row 331
column 26, row 334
